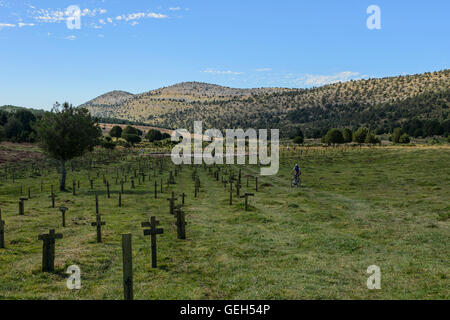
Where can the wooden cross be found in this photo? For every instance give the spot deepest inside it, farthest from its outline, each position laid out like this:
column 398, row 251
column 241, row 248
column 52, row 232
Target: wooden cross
column 127, row 261
column 171, row 178
column 153, row 231
column 48, row 250
column 22, row 206
column 246, row 195
column 96, row 204
column 107, row 189
column 2, row 231
column 181, row 223
column 238, row 189
column 98, row 223
column 63, row 212
column 53, row 199
column 231, row 192
column 172, row 202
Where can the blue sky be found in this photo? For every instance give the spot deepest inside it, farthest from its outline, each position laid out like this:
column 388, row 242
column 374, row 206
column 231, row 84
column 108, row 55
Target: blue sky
column 138, row 46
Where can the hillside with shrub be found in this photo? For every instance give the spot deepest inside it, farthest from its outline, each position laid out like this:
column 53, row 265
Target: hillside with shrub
column 379, row 104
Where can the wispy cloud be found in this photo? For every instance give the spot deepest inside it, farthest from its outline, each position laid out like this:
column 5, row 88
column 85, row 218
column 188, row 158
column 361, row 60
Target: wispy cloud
column 21, row 24
column 263, row 70
column 222, row 72
column 72, row 37
column 320, row 80
column 175, row 9
column 7, row 25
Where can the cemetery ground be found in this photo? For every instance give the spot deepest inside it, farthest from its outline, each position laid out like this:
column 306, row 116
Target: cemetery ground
column 384, row 206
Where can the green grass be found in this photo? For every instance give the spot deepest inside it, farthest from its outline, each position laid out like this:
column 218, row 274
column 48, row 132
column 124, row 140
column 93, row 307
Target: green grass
column 384, row 206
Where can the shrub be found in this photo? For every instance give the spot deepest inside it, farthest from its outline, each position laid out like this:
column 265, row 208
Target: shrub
column 131, row 138
column 360, row 135
column 298, row 140
column 131, row 130
column 115, row 132
column 372, row 139
column 404, row 138
column 396, row 135
column 347, row 134
column 334, row 136
column 153, row 135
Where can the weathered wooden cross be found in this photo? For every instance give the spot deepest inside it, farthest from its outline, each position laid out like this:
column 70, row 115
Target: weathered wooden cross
column 63, row 212
column 2, row 231
column 98, row 223
column 181, row 223
column 53, row 199
column 48, row 250
column 22, row 205
column 172, row 202
column 127, row 261
column 246, row 195
column 107, row 189
column 153, row 231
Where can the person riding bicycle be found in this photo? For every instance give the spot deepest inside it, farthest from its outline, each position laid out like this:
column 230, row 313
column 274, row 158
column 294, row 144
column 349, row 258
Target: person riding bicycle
column 297, row 172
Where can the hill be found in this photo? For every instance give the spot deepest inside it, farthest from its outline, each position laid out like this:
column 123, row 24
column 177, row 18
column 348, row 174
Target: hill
column 9, row 108
column 379, row 103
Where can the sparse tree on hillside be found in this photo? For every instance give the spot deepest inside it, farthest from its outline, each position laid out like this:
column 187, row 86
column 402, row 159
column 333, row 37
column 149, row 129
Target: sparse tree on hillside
column 334, row 136
column 153, row 135
column 67, row 133
column 347, row 134
column 360, row 135
column 116, row 132
column 396, row 135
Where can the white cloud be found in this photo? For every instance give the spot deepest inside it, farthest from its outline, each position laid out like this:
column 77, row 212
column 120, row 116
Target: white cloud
column 72, row 37
column 263, row 69
column 175, row 9
column 213, row 71
column 7, row 25
column 156, row 15
column 320, row 80
column 26, row 24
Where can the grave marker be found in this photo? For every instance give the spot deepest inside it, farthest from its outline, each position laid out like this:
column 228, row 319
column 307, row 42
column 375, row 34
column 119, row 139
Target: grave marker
column 98, row 223
column 172, row 202
column 127, row 261
column 2, row 231
column 246, row 195
column 48, row 250
column 22, row 206
column 181, row 223
column 63, row 212
column 153, row 231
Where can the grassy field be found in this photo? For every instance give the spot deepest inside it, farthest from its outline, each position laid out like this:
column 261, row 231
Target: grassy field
column 385, row 206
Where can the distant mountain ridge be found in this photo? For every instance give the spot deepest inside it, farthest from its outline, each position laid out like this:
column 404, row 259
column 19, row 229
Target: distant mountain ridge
column 178, row 106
